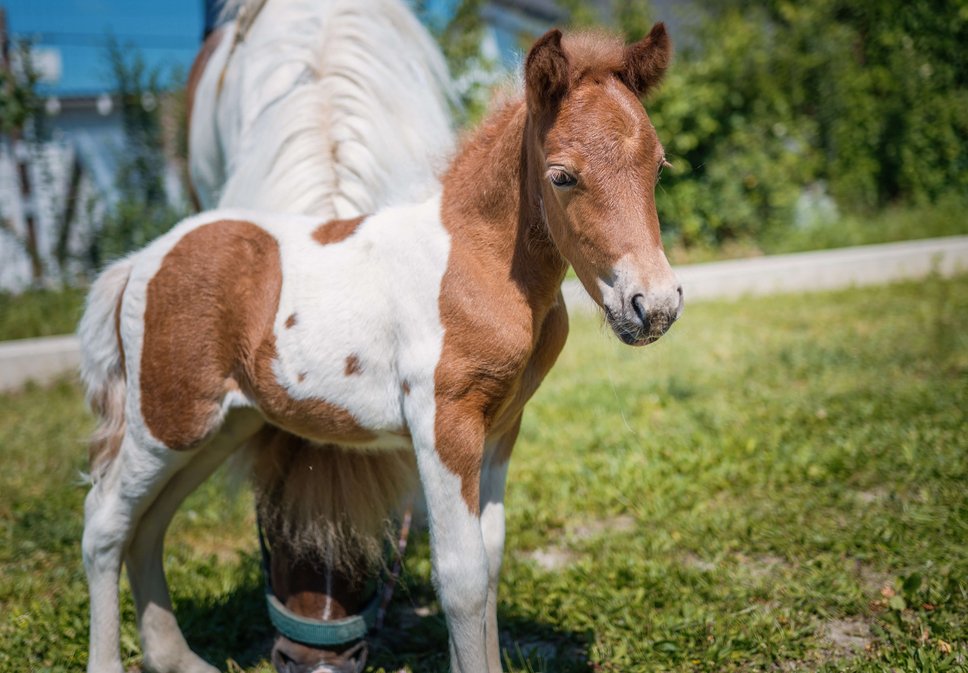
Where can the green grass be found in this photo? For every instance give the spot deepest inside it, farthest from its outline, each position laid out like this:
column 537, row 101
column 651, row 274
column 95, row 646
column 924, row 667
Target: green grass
column 38, row 313
column 777, row 485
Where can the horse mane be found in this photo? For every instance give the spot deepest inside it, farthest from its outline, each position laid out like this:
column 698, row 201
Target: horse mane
column 365, row 125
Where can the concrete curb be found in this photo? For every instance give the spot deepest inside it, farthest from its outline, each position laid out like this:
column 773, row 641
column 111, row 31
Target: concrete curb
column 46, row 359
column 810, row 271
column 41, row 360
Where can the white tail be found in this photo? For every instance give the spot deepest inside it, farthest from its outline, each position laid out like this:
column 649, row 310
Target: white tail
column 102, row 363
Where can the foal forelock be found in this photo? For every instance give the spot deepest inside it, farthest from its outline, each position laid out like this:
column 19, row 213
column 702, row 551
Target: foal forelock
column 361, row 120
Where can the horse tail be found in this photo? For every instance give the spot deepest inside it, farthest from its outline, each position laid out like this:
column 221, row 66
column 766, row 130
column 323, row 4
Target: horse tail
column 102, row 364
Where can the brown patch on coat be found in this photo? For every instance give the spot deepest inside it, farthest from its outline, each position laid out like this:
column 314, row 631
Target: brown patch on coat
column 405, row 387
column 352, row 366
column 291, row 321
column 205, row 323
column 194, row 77
column 336, row 230
column 301, row 377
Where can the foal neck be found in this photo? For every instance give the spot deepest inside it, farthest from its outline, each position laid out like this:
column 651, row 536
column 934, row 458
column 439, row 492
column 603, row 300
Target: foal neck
column 492, row 204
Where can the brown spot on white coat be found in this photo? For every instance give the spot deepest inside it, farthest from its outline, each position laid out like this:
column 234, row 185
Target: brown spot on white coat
column 336, row 230
column 353, row 367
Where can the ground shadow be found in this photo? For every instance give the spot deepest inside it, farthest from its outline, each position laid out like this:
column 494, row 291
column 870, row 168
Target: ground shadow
column 236, row 627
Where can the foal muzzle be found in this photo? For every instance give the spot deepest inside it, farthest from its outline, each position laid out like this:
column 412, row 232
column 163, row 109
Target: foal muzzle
column 644, row 317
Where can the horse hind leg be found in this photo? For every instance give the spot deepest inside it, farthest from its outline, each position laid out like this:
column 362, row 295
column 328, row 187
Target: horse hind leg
column 164, row 646
column 123, row 490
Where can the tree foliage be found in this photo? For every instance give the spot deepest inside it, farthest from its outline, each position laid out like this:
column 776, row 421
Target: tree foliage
column 20, row 103
column 868, row 101
column 142, row 210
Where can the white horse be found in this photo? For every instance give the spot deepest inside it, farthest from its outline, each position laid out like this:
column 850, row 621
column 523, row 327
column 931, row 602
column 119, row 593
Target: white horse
column 325, row 107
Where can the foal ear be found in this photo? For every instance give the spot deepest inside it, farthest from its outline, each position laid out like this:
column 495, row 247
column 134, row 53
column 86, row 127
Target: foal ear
column 546, row 73
column 646, row 61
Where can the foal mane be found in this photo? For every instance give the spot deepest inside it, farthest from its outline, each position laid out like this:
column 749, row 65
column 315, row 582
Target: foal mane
column 365, row 126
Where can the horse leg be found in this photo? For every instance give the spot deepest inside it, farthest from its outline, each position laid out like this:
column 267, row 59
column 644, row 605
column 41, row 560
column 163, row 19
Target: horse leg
column 493, row 479
column 164, row 646
column 111, row 512
column 457, row 550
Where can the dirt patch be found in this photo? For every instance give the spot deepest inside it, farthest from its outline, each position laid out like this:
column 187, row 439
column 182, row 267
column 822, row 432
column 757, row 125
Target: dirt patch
column 694, row 561
column 847, row 636
column 623, row 523
column 552, row 558
column 871, row 496
column 873, row 582
column 759, row 566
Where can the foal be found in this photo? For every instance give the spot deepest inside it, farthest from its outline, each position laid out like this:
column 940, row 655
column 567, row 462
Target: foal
column 424, row 327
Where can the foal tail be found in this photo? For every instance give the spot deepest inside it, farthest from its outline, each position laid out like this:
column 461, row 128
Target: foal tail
column 102, row 364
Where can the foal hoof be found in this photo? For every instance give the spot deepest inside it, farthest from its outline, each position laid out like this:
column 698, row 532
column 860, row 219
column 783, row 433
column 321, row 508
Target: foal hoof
column 292, row 657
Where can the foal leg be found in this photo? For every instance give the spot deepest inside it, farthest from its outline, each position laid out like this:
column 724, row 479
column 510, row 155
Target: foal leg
column 111, row 512
column 164, row 646
column 457, row 548
column 493, row 479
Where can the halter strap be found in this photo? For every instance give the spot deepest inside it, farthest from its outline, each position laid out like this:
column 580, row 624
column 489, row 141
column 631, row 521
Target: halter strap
column 317, row 632
column 310, row 631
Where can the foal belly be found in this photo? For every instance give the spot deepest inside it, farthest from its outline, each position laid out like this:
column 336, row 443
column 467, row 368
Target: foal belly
column 332, row 384
column 362, row 411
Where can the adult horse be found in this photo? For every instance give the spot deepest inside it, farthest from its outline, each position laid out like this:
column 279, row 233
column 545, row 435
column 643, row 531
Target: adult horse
column 332, row 108
column 422, row 328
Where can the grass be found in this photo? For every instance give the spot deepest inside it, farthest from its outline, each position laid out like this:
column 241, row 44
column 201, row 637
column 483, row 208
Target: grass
column 37, row 313
column 777, row 485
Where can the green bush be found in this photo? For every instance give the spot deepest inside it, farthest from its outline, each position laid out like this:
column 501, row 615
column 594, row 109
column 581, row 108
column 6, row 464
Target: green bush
column 770, row 100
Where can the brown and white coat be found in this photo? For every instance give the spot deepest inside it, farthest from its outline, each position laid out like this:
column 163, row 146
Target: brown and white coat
column 424, row 328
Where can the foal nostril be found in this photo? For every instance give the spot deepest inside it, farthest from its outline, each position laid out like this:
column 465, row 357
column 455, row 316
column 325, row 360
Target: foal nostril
column 680, row 304
column 638, row 303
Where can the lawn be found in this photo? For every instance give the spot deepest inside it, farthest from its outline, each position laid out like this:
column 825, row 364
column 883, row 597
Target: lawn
column 779, row 484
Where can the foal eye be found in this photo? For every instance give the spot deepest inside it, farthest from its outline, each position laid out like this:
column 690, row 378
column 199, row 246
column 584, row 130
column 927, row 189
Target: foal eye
column 562, row 179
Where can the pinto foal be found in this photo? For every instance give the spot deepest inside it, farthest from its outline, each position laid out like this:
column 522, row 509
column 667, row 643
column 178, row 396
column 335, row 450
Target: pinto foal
column 425, row 327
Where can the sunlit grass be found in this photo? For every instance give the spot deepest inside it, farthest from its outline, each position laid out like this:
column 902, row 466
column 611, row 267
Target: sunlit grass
column 38, row 313
column 776, row 485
